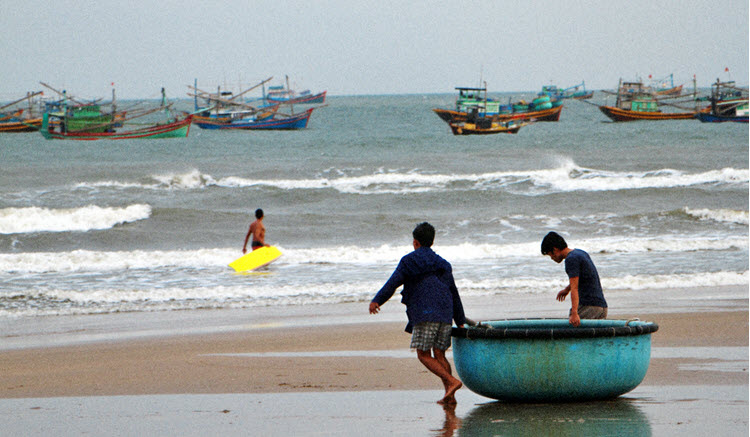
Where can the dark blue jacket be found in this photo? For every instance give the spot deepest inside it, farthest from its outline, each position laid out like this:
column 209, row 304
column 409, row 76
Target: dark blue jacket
column 429, row 293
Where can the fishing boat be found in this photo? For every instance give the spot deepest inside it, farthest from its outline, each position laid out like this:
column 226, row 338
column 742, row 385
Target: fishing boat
column 551, row 114
column 13, row 118
column 636, row 102
column 576, row 92
column 15, row 122
column 225, row 110
column 666, row 86
column 279, row 94
column 286, row 95
column 274, row 122
column 485, row 126
column 729, row 103
column 549, row 360
column 175, row 129
column 475, row 101
column 90, row 122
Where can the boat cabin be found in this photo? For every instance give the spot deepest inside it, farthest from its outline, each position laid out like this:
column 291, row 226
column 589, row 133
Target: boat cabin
column 471, row 100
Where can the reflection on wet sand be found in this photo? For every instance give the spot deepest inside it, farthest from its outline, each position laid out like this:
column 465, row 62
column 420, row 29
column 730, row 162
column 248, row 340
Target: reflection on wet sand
column 451, row 424
column 615, row 417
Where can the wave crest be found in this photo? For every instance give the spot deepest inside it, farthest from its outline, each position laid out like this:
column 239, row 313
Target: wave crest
column 565, row 178
column 87, row 218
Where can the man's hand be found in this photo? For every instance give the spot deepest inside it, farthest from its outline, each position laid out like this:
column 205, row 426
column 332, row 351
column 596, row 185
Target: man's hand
column 563, row 294
column 574, row 320
column 374, row 308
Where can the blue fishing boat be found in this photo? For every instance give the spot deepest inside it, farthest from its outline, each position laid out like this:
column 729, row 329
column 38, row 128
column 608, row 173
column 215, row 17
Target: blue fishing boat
column 278, row 94
column 286, row 95
column 728, row 103
column 576, row 92
column 548, row 360
column 224, row 110
column 274, row 122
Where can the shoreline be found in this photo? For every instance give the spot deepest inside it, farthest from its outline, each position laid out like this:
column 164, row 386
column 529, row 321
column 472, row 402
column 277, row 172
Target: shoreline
column 68, row 330
column 297, row 371
column 707, row 348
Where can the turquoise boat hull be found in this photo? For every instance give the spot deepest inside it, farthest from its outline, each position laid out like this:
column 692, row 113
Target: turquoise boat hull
column 548, row 360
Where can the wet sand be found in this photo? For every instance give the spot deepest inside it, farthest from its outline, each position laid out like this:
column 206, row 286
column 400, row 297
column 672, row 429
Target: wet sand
column 318, row 358
column 694, row 354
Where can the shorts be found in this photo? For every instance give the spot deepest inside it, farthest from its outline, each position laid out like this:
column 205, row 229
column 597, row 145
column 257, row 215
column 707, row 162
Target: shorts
column 592, row 312
column 431, row 335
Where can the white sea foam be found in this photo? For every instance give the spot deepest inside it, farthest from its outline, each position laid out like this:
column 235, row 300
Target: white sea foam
column 35, row 219
column 85, row 260
column 720, row 215
column 107, row 300
column 567, row 177
column 97, row 261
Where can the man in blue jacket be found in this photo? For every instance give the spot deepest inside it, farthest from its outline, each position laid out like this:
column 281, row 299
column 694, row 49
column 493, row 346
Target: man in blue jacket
column 432, row 303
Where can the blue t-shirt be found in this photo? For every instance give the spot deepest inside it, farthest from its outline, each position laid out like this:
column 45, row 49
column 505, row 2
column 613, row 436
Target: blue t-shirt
column 578, row 264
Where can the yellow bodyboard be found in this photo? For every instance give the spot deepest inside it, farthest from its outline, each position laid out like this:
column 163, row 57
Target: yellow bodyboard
column 255, row 259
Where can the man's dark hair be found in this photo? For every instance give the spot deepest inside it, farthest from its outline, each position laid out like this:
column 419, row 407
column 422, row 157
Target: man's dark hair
column 424, row 233
column 553, row 241
column 258, row 213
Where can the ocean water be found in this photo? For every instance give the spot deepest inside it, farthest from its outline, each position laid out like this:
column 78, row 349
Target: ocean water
column 102, row 227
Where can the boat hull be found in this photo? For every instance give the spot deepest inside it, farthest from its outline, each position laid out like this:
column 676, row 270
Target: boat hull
column 474, row 129
column 177, row 129
column 552, row 114
column 548, row 360
column 674, row 91
column 288, row 123
column 301, row 100
column 617, row 114
column 707, row 117
column 31, row 125
column 584, row 96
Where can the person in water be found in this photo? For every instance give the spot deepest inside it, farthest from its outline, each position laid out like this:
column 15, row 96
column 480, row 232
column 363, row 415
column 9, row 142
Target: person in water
column 432, row 304
column 258, row 231
column 586, row 296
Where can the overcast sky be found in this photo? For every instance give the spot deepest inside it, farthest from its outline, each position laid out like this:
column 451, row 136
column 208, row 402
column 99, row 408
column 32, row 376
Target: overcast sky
column 365, row 47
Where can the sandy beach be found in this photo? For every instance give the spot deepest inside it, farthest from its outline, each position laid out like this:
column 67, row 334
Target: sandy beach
column 328, row 358
column 706, row 347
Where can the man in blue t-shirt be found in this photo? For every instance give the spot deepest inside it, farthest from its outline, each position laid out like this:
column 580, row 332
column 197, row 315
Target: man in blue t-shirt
column 586, row 296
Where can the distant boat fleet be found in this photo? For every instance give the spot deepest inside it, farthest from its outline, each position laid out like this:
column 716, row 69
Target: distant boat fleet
column 67, row 117
column 474, row 112
column 224, row 110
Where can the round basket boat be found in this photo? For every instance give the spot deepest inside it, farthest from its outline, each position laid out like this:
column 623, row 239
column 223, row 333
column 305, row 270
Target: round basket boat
column 548, row 360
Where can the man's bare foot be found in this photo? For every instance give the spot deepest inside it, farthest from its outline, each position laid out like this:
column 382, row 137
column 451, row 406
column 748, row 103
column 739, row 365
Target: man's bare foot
column 450, row 392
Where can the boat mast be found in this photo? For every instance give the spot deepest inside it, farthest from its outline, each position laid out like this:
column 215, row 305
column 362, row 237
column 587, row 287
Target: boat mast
column 695, row 93
column 195, row 97
column 28, row 97
column 289, row 95
column 485, row 99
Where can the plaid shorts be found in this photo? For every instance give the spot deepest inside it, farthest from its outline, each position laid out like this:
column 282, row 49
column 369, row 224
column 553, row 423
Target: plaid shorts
column 431, row 335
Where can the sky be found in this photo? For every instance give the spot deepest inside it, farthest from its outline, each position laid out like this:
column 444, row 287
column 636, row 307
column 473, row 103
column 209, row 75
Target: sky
column 355, row 47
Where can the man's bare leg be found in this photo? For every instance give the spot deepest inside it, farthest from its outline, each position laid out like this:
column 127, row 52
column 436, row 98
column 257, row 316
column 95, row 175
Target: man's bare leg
column 449, row 389
column 435, row 366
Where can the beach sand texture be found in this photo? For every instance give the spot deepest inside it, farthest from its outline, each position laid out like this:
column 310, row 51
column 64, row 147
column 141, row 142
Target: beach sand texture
column 321, row 358
column 696, row 358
